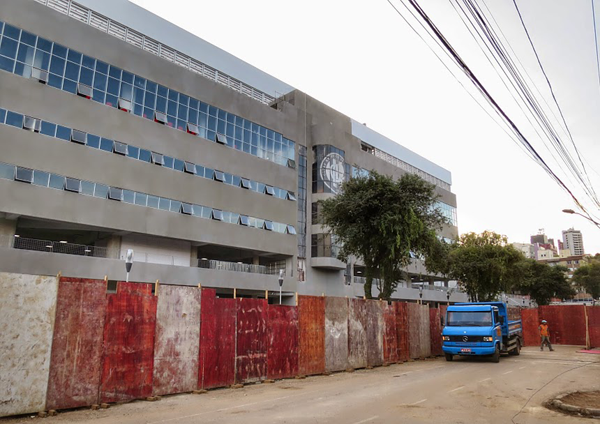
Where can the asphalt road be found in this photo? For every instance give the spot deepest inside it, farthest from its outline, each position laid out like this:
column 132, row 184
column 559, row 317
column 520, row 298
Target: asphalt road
column 466, row 390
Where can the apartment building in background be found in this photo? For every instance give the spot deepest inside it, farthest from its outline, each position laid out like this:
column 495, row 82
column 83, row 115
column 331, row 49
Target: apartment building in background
column 121, row 131
column 573, row 241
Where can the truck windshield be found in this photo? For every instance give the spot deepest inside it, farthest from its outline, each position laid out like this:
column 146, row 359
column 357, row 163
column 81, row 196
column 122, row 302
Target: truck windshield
column 469, row 319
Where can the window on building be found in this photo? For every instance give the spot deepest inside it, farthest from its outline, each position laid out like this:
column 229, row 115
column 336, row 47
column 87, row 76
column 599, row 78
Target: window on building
column 269, row 190
column 120, row 148
column 219, row 176
column 158, row 159
column 291, row 196
column 244, row 220
column 72, row 184
column 40, row 75
column 245, row 183
column 217, row 215
column 291, row 163
column 78, row 136
column 32, row 124
column 160, row 117
column 125, row 105
column 190, row 168
column 24, row 175
column 192, row 128
column 268, row 225
column 220, row 138
column 115, row 193
column 186, row 208
column 290, row 230
column 84, row 91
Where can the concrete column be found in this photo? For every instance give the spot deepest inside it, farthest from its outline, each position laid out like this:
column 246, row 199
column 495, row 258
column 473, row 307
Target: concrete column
column 194, row 256
column 256, row 260
column 113, row 247
column 8, row 228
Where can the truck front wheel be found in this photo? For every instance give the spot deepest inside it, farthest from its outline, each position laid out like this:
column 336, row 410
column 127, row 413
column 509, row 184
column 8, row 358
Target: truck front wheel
column 496, row 355
column 517, row 350
column 449, row 357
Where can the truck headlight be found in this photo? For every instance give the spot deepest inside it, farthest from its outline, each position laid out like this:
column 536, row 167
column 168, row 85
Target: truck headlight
column 446, row 338
column 488, row 339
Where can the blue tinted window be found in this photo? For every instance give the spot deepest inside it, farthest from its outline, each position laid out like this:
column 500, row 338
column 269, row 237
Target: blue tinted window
column 168, row 162
column 161, row 104
column 138, row 95
column 199, row 170
column 74, row 56
column 113, row 86
column 59, row 51
column 72, row 71
column 70, row 86
column 41, row 60
column 101, row 67
column 48, row 128
column 87, row 188
column 57, row 65
column 88, row 62
column 178, row 165
column 2, row 115
column 162, row 91
column 93, row 141
column 138, row 109
column 115, row 72
column 194, row 104
column 25, row 54
column 145, row 155
column 128, row 196
column 106, row 145
column 139, row 82
column 151, row 87
column 153, row 202
column 164, row 204
column 173, row 95
column 111, row 100
column 208, row 173
column 149, row 100
column 41, row 178
column 63, row 132
column 126, row 91
column 6, row 64
column 101, row 191
column 22, row 70
column 11, row 31
column 86, row 76
column 100, row 81
column 57, row 181
column 7, row 171
column 127, row 77
column 8, row 48
column 133, row 152
column 45, row 45
column 14, row 119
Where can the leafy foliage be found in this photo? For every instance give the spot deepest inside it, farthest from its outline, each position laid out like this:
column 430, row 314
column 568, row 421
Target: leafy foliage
column 588, row 277
column 381, row 221
column 542, row 281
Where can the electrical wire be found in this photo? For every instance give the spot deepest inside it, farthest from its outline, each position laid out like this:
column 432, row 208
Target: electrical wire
column 596, row 40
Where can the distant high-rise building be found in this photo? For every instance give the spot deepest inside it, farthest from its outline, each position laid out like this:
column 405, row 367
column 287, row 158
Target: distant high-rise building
column 526, row 248
column 540, row 238
column 573, row 241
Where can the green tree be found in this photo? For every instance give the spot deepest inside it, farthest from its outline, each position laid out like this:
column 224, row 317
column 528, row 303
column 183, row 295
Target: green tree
column 483, row 264
column 542, row 281
column 381, row 220
column 588, row 277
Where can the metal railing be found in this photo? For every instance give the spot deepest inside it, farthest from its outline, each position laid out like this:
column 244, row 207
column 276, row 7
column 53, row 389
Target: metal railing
column 152, row 258
column 130, row 36
column 50, row 246
column 237, row 267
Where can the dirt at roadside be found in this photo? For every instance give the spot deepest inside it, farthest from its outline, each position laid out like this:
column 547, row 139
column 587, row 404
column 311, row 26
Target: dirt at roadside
column 583, row 399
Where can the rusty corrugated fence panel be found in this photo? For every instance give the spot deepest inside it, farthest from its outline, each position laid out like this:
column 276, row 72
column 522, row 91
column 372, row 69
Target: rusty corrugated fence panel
column 402, row 331
column 251, row 355
column 572, row 324
column 530, row 323
column 28, row 306
column 282, row 341
column 443, row 310
column 216, row 366
column 336, row 334
column 311, row 336
column 374, row 333
column 390, row 334
column 176, row 348
column 594, row 325
column 424, row 332
column 357, row 333
column 76, row 362
column 129, row 331
column 435, row 325
column 414, row 335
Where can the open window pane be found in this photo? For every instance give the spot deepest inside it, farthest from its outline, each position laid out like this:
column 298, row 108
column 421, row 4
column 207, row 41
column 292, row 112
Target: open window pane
column 72, row 184
column 221, row 139
column 120, row 148
column 125, row 105
column 244, row 220
column 291, row 163
column 219, row 176
column 32, row 124
column 268, row 225
column 24, row 175
column 245, row 183
column 40, row 75
column 291, row 196
column 115, row 193
column 158, row 159
column 291, row 230
column 78, row 136
column 160, row 117
column 186, row 208
column 217, row 215
column 269, row 190
column 190, row 168
column 84, row 91
column 192, row 128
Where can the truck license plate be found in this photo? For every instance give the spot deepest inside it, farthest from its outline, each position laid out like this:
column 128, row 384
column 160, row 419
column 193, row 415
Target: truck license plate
column 465, row 350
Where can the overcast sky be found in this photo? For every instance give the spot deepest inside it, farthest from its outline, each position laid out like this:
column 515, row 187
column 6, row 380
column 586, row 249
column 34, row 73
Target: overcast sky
column 362, row 59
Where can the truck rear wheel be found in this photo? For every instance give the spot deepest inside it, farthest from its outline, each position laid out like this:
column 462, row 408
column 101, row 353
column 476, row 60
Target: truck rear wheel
column 449, row 357
column 517, row 350
column 496, row 355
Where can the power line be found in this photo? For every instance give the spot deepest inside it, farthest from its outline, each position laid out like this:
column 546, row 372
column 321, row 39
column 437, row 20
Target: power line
column 596, row 40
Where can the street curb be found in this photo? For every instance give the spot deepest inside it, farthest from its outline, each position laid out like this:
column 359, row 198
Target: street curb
column 559, row 404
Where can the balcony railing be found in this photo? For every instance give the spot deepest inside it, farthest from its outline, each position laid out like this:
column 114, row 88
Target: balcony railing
column 238, row 267
column 54, row 247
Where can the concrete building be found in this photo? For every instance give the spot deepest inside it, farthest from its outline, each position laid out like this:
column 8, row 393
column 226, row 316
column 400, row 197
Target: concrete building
column 122, row 131
column 526, row 249
column 573, row 241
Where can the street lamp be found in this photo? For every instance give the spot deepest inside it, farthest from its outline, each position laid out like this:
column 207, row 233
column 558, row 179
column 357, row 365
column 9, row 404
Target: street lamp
column 128, row 263
column 280, row 283
column 571, row 211
column 421, row 294
column 448, row 294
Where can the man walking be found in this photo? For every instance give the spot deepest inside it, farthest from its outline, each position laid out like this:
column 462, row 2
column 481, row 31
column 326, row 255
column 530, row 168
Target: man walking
column 545, row 335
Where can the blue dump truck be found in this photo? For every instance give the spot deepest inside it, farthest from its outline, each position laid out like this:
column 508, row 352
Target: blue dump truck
column 480, row 329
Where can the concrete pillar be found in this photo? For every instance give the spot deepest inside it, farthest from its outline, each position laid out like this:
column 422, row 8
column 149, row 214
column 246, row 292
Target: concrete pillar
column 8, row 228
column 113, row 247
column 256, row 260
column 194, row 256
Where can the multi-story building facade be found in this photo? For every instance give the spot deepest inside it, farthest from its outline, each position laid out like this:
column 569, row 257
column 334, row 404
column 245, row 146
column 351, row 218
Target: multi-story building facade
column 122, row 131
column 573, row 241
column 526, row 249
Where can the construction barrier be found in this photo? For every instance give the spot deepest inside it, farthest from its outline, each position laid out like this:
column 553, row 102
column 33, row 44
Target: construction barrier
column 129, row 329
column 176, row 348
column 76, row 360
column 336, row 334
column 375, row 328
column 311, row 335
column 593, row 315
column 251, row 354
column 216, row 365
column 27, row 305
column 357, row 333
column 435, row 328
column 530, row 322
column 419, row 333
column 282, row 341
column 390, row 334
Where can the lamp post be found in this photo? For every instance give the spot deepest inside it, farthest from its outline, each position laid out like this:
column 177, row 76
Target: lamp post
column 571, row 211
column 421, row 294
column 280, row 283
column 128, row 263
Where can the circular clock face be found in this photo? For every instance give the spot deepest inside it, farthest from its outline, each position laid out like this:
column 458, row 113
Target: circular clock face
column 332, row 171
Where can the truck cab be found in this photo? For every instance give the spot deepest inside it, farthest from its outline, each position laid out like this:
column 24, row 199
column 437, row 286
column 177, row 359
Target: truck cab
column 480, row 329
